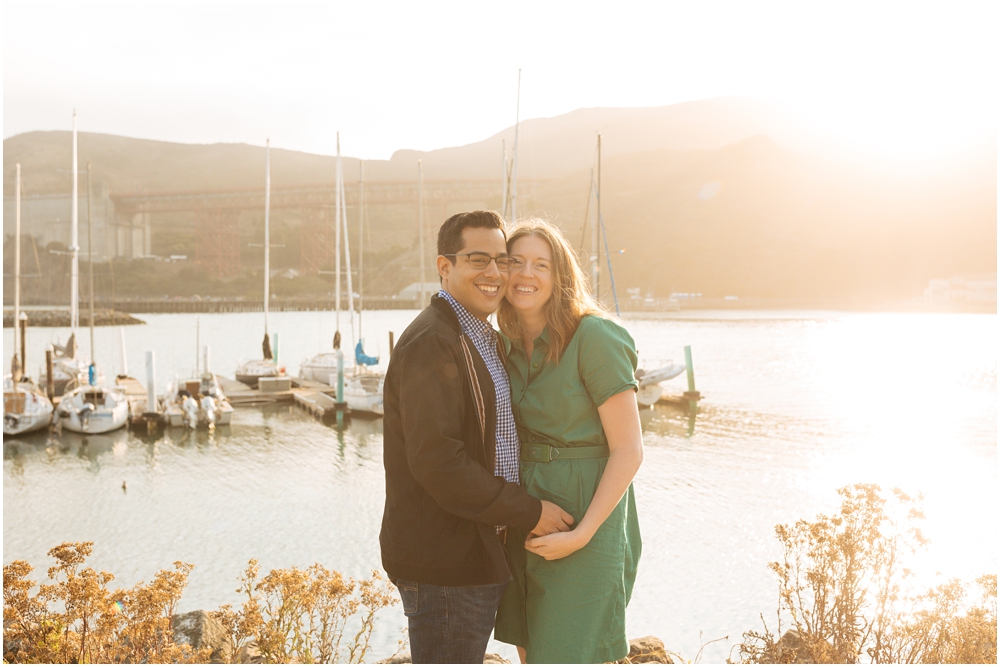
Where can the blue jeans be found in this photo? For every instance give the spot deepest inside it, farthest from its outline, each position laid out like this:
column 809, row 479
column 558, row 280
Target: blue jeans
column 449, row 624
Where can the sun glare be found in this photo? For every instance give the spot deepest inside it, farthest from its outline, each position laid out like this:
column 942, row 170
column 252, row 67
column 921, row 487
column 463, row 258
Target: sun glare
column 899, row 398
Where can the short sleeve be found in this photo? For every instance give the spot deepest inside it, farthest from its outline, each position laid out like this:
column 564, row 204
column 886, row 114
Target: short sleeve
column 607, row 358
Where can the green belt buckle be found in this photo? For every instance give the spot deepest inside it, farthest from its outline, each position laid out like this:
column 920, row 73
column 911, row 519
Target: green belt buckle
column 541, row 453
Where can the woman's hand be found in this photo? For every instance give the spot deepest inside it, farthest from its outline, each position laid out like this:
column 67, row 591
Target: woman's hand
column 557, row 545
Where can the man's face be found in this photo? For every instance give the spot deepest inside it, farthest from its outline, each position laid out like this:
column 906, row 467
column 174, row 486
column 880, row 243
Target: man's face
column 478, row 290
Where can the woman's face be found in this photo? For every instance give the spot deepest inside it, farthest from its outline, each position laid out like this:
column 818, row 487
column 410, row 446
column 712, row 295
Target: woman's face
column 530, row 286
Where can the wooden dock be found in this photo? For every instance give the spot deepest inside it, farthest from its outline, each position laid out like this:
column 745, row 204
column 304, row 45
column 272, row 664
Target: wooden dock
column 314, row 397
column 140, row 414
column 680, row 400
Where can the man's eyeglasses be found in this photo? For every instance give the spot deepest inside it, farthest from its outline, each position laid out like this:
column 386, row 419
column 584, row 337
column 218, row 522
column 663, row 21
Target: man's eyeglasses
column 480, row 260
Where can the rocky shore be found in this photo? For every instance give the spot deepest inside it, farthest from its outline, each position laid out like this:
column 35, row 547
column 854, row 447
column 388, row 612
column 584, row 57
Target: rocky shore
column 199, row 630
column 60, row 318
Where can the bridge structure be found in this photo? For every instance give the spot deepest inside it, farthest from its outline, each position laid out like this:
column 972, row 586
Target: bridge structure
column 217, row 212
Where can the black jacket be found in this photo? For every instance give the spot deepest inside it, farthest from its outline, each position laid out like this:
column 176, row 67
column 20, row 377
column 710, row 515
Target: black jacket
column 442, row 500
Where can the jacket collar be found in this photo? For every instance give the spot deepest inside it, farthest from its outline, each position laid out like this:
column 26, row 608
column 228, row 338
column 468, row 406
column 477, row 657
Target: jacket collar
column 444, row 309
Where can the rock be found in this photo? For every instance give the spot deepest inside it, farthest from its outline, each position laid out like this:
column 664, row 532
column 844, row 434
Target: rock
column 647, row 650
column 250, row 655
column 793, row 643
column 199, row 630
column 404, row 658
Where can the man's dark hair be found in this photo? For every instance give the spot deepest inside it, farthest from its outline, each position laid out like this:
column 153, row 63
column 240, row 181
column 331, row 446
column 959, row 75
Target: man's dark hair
column 450, row 235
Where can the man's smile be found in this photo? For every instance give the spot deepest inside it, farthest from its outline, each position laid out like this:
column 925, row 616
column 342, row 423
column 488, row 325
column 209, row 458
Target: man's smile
column 488, row 289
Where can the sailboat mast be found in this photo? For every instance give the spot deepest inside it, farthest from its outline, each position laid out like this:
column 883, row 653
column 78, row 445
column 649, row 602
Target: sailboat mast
column 338, row 203
column 17, row 265
column 74, row 288
column 420, row 222
column 90, row 264
column 347, row 262
column 597, row 294
column 503, row 176
column 517, row 129
column 361, row 245
column 267, row 230
column 595, row 264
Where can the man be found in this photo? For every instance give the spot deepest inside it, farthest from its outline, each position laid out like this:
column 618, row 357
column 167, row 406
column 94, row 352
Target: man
column 451, row 454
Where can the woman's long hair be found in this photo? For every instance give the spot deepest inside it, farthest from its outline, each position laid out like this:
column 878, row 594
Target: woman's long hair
column 570, row 299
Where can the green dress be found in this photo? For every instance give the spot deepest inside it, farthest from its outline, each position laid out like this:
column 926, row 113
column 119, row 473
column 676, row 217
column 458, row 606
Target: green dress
column 571, row 609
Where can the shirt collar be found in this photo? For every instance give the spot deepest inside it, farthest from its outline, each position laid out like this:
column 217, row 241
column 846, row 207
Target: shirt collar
column 543, row 337
column 471, row 325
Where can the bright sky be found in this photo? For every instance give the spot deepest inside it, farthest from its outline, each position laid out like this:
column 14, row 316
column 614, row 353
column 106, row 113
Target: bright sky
column 425, row 75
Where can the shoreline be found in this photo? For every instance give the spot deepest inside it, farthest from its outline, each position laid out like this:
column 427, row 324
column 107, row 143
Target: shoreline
column 46, row 318
column 124, row 311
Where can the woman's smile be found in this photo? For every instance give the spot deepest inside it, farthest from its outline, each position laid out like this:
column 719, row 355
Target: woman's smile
column 530, row 274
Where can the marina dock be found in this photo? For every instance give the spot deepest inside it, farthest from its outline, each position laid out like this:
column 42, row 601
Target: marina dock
column 316, row 398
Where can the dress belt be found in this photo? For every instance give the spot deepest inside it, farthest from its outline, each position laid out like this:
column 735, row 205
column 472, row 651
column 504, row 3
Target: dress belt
column 543, row 453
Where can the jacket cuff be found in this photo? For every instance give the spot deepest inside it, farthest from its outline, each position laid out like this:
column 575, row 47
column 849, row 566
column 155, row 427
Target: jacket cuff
column 530, row 518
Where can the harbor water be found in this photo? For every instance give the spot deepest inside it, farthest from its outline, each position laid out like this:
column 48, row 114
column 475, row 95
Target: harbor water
column 796, row 405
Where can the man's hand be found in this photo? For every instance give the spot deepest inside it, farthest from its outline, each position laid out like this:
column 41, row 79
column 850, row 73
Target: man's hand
column 553, row 520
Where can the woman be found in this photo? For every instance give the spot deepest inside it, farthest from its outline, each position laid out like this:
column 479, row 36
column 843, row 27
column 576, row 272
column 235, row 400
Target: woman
column 572, row 375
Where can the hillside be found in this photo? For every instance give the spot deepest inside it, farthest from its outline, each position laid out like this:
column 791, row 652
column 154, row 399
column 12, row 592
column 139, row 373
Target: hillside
column 716, row 196
column 755, row 219
column 549, row 148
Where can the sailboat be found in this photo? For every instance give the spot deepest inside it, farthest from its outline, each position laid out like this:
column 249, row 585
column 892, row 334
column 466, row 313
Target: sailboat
column 362, row 387
column 649, row 391
column 250, row 372
column 363, row 390
column 25, row 407
column 323, row 366
column 67, row 370
column 94, row 407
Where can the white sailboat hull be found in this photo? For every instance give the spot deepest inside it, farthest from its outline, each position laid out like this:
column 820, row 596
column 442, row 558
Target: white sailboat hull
column 649, row 395
column 90, row 409
column 25, row 408
column 322, row 368
column 25, row 423
column 650, row 390
column 252, row 371
column 99, row 421
column 363, row 393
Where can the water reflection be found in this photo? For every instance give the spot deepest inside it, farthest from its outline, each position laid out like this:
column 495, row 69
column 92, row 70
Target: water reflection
column 794, row 409
column 92, row 449
column 671, row 421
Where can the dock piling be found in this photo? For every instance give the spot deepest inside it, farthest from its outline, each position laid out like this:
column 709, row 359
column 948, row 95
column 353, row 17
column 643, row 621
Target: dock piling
column 340, row 376
column 692, row 395
column 22, row 322
column 123, row 360
column 150, row 381
column 50, row 382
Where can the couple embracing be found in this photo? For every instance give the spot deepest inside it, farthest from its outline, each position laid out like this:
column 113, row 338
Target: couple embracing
column 509, row 457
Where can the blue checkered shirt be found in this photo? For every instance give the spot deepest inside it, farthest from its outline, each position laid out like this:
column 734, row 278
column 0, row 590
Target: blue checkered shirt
column 485, row 339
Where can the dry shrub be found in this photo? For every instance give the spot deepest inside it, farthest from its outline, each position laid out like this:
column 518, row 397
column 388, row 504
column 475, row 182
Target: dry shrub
column 288, row 616
column 300, row 616
column 841, row 583
column 77, row 619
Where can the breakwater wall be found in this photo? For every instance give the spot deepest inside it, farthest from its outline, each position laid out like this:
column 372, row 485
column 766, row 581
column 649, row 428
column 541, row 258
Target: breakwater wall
column 243, row 305
column 60, row 318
